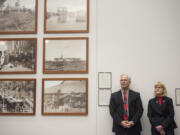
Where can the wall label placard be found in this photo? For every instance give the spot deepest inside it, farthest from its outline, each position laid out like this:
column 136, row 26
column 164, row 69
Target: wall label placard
column 104, row 80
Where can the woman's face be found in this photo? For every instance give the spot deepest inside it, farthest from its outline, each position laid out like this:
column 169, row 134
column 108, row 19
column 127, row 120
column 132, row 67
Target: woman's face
column 159, row 90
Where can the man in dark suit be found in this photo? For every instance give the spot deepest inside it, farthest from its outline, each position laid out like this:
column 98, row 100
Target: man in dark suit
column 126, row 109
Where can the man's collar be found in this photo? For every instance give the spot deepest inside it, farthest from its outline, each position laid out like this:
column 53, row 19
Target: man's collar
column 123, row 90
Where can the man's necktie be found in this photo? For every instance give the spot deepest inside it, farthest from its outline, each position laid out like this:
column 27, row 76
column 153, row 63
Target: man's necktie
column 125, row 115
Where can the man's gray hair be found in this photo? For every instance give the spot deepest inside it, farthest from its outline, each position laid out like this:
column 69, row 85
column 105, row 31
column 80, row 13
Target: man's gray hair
column 129, row 78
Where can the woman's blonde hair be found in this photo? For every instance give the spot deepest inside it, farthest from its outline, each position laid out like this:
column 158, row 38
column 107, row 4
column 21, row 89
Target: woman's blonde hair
column 160, row 84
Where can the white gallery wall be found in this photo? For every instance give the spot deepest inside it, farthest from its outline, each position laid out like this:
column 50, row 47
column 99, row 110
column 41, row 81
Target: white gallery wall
column 140, row 38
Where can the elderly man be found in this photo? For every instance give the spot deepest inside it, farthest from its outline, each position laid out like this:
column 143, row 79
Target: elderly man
column 126, row 109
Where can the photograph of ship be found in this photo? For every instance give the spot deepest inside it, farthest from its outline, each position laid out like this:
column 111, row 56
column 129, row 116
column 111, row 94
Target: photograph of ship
column 66, row 55
column 66, row 15
column 17, row 96
column 65, row 96
column 17, row 56
column 18, row 16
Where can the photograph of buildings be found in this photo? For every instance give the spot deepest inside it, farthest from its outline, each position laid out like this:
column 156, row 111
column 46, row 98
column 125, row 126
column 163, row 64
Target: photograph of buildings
column 17, row 96
column 17, row 55
column 65, row 96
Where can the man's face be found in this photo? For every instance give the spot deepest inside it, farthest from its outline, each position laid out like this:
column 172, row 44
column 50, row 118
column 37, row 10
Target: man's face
column 125, row 82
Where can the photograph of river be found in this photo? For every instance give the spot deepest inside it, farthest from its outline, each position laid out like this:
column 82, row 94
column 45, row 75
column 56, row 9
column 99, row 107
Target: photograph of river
column 66, row 15
column 66, row 55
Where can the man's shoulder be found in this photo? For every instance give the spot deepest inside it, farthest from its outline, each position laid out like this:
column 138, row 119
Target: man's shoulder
column 116, row 93
column 134, row 92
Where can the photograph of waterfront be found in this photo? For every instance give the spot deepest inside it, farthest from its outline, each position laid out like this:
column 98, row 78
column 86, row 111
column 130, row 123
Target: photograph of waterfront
column 65, row 55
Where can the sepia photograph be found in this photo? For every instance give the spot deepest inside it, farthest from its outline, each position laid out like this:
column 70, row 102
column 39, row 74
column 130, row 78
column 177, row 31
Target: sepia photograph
column 17, row 96
column 66, row 16
column 65, row 55
column 18, row 16
column 18, row 56
column 65, row 96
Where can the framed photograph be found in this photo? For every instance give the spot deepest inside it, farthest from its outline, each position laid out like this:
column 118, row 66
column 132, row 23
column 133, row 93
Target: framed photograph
column 17, row 96
column 18, row 16
column 177, row 96
column 18, row 55
column 65, row 55
column 104, row 80
column 65, row 96
column 104, row 97
column 66, row 16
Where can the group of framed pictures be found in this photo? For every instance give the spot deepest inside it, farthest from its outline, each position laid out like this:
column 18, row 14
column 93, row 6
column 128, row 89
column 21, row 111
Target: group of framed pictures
column 60, row 96
column 64, row 16
column 61, row 55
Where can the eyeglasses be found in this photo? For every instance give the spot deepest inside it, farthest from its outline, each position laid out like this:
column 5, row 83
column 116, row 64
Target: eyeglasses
column 158, row 87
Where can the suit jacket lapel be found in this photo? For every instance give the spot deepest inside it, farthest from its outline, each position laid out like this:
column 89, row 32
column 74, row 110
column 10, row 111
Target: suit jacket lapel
column 120, row 100
column 156, row 103
column 129, row 98
column 120, row 97
column 163, row 105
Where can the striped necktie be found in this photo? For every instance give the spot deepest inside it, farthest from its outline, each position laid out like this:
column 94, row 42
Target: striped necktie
column 125, row 115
